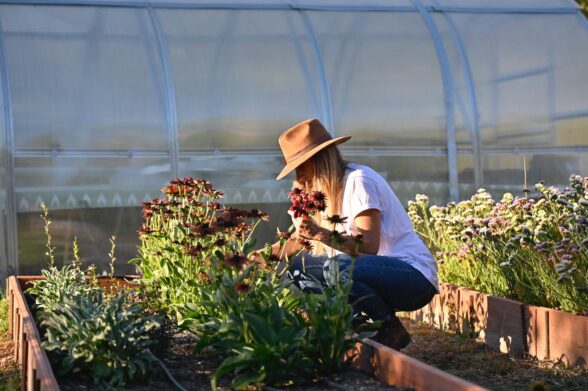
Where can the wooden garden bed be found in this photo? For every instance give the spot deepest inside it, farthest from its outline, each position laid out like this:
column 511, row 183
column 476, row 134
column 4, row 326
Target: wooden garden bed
column 384, row 364
column 509, row 326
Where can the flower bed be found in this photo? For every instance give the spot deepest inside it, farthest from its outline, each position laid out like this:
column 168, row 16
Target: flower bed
column 198, row 271
column 384, row 364
column 532, row 249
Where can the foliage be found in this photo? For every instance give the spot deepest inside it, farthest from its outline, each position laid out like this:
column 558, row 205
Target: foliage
column 3, row 314
column 584, row 6
column 46, row 224
column 88, row 332
column 187, row 239
column 108, row 337
column 198, row 266
column 58, row 286
column 530, row 249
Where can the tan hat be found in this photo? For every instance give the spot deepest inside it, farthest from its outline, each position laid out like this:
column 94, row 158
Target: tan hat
column 304, row 140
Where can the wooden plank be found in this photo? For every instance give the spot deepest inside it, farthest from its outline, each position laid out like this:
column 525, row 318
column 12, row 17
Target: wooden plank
column 395, row 368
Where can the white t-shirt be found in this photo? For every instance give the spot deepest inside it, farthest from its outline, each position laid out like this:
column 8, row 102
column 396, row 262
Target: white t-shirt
column 366, row 189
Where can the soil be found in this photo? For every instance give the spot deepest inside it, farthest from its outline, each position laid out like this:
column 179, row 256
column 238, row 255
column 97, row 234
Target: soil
column 9, row 373
column 456, row 354
column 473, row 361
column 193, row 372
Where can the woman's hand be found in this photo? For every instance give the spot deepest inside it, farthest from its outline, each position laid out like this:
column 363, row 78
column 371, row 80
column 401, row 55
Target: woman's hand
column 306, row 228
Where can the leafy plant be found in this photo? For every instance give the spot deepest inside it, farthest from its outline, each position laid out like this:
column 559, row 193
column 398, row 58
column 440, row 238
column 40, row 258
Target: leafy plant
column 189, row 239
column 58, row 286
column 530, row 249
column 46, row 224
column 197, row 266
column 108, row 337
column 87, row 331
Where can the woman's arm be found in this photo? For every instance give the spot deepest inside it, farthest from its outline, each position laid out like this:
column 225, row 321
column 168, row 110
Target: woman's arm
column 367, row 223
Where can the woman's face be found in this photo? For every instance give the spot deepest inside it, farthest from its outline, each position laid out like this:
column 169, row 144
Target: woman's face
column 305, row 172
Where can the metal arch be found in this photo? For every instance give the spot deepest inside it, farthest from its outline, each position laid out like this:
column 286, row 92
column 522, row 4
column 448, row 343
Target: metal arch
column 473, row 113
column 11, row 236
column 308, row 5
column 302, row 60
column 170, row 94
column 155, row 72
column 583, row 19
column 448, row 94
column 327, row 108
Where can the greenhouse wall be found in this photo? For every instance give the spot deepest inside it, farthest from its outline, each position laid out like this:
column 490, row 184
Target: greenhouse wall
column 103, row 102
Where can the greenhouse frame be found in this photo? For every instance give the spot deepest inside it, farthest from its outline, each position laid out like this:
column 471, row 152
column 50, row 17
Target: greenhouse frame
column 103, row 102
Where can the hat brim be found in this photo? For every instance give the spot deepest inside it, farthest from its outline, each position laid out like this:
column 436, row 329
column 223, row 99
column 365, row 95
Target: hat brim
column 304, row 157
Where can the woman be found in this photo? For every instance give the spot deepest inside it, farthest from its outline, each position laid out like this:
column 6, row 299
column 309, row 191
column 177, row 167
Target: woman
column 394, row 271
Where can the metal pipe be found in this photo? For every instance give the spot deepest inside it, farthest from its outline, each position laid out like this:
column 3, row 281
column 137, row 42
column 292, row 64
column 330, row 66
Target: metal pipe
column 327, row 109
column 11, row 261
column 170, row 94
column 473, row 113
column 448, row 90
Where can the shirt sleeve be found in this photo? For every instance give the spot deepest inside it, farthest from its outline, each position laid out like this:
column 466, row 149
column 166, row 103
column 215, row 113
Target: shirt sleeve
column 364, row 196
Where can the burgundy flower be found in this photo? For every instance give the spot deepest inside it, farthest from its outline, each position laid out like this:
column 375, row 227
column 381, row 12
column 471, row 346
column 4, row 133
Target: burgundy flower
column 214, row 205
column 306, row 244
column 336, row 219
column 237, row 261
column 295, row 193
column 242, row 287
column 337, row 238
column 284, row 235
column 196, row 250
column 219, row 242
column 256, row 213
column 203, row 229
column 145, row 230
column 273, row 258
column 306, row 204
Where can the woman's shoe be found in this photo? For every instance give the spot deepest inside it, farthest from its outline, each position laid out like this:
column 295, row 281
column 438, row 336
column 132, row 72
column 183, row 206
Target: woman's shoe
column 393, row 334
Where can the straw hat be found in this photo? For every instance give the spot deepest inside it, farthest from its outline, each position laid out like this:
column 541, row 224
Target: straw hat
column 303, row 141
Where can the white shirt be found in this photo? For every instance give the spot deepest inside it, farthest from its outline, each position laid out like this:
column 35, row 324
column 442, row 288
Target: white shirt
column 366, row 189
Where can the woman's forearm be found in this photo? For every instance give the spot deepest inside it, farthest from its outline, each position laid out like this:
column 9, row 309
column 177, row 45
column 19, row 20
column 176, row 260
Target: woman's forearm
column 349, row 244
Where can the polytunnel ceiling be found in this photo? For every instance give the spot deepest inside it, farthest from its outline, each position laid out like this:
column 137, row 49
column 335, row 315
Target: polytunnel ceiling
column 102, row 104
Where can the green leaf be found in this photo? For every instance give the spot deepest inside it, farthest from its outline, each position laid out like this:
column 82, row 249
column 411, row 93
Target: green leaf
column 245, row 379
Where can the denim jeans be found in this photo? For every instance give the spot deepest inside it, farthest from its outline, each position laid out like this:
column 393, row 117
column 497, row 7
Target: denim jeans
column 381, row 285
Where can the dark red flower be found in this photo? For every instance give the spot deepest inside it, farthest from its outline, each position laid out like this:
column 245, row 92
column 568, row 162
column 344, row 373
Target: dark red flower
column 336, row 219
column 203, row 229
column 242, row 287
column 273, row 258
column 337, row 238
column 145, row 230
column 306, row 204
column 196, row 250
column 284, row 235
column 306, row 244
column 237, row 261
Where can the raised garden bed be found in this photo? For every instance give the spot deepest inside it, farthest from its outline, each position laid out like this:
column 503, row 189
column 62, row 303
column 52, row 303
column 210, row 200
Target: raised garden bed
column 509, row 326
column 380, row 362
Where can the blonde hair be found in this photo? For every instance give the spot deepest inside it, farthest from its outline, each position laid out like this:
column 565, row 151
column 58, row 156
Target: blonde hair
column 329, row 171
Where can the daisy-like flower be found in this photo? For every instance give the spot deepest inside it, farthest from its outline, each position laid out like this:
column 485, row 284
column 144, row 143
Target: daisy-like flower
column 237, row 261
column 306, row 244
column 242, row 287
column 284, row 235
column 336, row 219
column 307, row 204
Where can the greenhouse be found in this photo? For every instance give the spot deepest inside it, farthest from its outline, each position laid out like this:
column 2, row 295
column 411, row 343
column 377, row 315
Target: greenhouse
column 103, row 102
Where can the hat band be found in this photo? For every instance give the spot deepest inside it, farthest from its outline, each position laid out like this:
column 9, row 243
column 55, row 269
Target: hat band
column 323, row 139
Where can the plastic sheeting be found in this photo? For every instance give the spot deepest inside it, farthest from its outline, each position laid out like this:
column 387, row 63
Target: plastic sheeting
column 101, row 103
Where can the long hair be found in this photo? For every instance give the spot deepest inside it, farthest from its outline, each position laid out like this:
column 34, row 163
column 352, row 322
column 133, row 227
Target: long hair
column 329, row 172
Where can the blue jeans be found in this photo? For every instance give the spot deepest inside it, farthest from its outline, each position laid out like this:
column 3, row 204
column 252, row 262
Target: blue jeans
column 381, row 285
